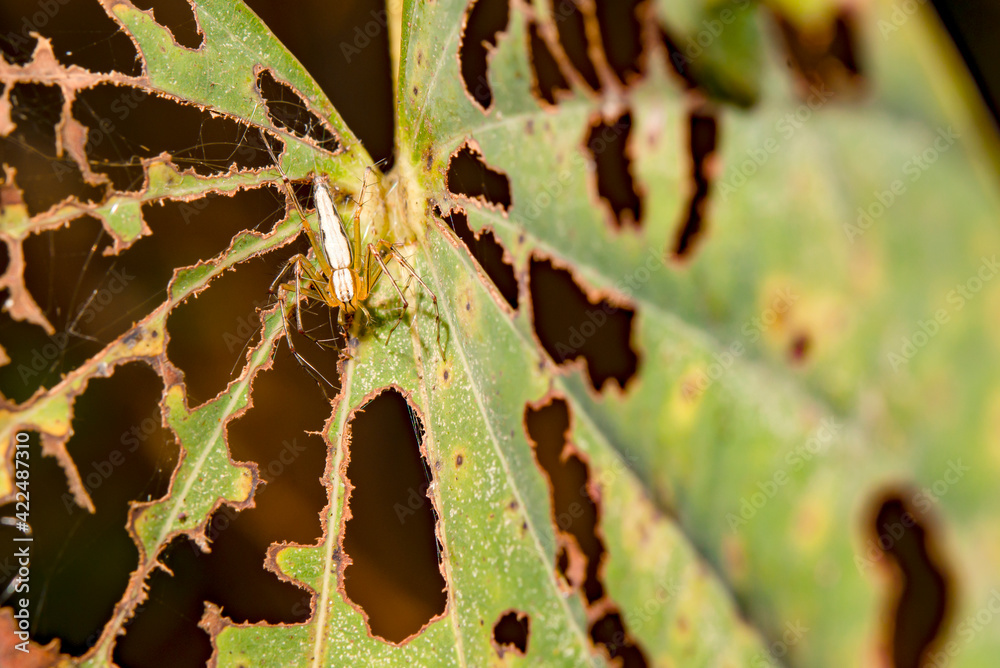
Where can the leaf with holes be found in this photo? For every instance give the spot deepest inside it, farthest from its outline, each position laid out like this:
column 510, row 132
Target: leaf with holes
column 695, row 372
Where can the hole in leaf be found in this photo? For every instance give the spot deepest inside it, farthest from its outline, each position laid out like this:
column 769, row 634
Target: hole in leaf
column 272, row 433
column 128, row 124
column 90, row 298
column 345, row 48
column 569, row 325
column 302, row 192
column 288, row 110
column 922, row 601
column 826, row 58
column 609, row 632
column 607, row 145
column 17, row 46
column 390, row 538
column 573, row 38
column 679, row 62
column 63, row 269
column 703, row 133
column 573, row 509
column 94, row 298
column 31, row 149
column 469, row 176
column 27, row 371
column 547, row 79
column 177, row 17
column 488, row 252
column 85, row 559
column 210, row 334
column 511, row 632
column 621, row 35
column 484, row 21
column 166, row 624
column 562, row 561
column 576, row 515
column 81, row 34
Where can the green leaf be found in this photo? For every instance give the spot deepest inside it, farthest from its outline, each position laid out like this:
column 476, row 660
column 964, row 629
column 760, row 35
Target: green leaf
column 826, row 344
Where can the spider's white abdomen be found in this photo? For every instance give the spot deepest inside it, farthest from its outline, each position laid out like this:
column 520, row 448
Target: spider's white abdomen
column 332, row 235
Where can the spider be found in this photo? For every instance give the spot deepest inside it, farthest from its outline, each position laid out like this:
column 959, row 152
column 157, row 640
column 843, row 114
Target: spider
column 343, row 272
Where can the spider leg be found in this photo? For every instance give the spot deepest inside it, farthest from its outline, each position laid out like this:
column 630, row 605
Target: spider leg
column 381, row 263
column 394, row 252
column 295, row 262
column 315, row 373
column 318, row 295
column 277, row 279
column 298, row 301
column 283, row 309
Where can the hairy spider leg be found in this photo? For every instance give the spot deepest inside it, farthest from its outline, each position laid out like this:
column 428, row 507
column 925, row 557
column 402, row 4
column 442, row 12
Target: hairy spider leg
column 394, row 252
